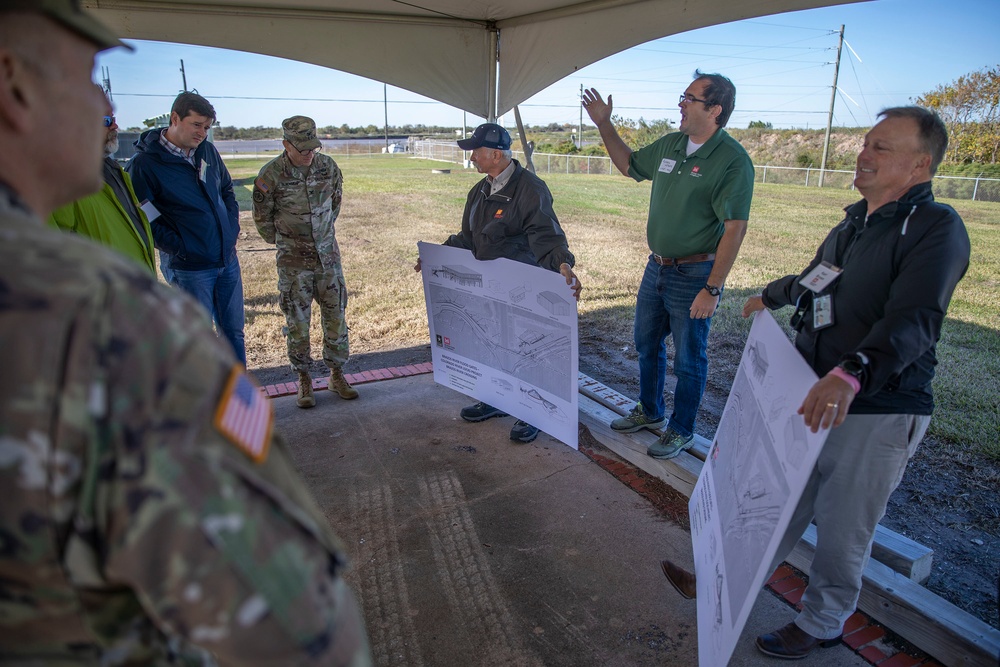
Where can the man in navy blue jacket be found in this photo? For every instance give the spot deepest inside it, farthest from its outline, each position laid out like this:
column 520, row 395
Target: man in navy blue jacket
column 184, row 178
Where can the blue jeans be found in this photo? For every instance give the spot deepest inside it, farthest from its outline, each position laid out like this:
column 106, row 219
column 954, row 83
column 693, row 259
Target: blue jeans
column 663, row 308
column 220, row 291
column 168, row 275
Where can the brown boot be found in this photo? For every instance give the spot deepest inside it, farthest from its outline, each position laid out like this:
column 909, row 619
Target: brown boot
column 682, row 580
column 306, row 398
column 339, row 385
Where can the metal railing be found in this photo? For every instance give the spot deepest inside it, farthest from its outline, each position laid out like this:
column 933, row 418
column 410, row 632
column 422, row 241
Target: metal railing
column 955, row 187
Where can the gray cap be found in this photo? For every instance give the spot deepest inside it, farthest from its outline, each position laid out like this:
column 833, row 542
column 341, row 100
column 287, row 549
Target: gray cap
column 68, row 14
column 300, row 131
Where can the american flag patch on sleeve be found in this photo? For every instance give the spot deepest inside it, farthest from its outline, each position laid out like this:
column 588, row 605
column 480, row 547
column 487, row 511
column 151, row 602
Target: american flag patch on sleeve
column 244, row 415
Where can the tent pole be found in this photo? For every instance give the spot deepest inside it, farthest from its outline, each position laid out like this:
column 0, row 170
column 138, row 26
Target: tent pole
column 491, row 90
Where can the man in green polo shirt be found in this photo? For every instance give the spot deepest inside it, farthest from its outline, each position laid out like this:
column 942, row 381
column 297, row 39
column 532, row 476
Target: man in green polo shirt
column 698, row 209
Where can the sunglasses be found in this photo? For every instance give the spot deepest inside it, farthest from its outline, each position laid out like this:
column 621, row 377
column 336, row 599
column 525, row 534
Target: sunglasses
column 109, row 121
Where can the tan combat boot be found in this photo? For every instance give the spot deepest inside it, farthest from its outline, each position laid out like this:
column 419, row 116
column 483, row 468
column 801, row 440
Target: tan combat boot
column 340, row 385
column 306, row 398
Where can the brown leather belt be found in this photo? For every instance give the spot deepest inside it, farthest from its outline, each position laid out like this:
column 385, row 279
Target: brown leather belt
column 670, row 261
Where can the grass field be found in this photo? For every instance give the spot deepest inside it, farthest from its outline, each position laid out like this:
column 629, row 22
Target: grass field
column 392, row 202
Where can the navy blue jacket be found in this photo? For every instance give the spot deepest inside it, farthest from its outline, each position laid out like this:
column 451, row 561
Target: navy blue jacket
column 900, row 269
column 199, row 216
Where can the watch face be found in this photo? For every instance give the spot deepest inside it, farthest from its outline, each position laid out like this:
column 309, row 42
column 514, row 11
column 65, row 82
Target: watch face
column 714, row 291
column 852, row 366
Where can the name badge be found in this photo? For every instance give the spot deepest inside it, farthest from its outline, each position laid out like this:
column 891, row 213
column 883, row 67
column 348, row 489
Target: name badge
column 821, row 277
column 822, row 312
column 204, row 170
column 667, row 165
column 150, row 210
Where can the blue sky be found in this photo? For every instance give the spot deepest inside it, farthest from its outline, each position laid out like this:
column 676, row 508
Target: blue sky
column 782, row 66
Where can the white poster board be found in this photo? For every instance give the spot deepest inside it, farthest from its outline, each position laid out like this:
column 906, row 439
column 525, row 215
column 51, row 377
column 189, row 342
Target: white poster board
column 505, row 333
column 757, row 468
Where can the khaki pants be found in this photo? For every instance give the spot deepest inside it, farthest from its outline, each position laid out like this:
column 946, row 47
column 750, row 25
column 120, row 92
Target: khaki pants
column 860, row 466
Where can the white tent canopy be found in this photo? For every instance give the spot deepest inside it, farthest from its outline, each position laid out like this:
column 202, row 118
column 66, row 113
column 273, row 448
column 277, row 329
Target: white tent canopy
column 481, row 56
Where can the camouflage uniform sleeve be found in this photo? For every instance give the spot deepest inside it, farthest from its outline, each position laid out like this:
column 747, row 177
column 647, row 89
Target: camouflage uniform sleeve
column 338, row 189
column 263, row 203
column 203, row 514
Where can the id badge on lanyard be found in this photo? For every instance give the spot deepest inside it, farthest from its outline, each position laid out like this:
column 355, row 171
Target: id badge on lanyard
column 817, row 280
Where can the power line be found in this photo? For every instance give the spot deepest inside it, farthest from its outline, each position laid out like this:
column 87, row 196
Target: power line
column 286, row 99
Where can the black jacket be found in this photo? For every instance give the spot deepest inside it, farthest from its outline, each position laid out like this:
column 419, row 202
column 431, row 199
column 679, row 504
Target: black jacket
column 517, row 223
column 900, row 269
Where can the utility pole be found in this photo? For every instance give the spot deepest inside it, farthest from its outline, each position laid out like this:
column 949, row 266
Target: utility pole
column 184, row 76
column 526, row 145
column 833, row 99
column 385, row 102
column 579, row 131
column 106, row 82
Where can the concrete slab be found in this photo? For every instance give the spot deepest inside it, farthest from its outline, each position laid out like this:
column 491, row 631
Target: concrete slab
column 469, row 549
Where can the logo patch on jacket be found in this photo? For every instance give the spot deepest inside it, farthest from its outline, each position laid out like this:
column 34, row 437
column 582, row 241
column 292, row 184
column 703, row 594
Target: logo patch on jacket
column 244, row 415
column 695, row 171
column 261, row 184
column 498, row 214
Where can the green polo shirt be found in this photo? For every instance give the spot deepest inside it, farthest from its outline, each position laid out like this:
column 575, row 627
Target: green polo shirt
column 693, row 195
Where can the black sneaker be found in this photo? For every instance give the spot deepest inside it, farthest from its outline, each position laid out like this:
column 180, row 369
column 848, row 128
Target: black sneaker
column 523, row 432
column 480, row 412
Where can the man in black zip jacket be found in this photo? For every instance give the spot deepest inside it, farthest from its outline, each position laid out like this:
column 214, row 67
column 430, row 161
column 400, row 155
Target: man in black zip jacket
column 869, row 310
column 509, row 214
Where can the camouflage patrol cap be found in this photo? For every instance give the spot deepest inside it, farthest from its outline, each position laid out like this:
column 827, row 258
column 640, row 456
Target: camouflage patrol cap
column 68, row 14
column 300, row 131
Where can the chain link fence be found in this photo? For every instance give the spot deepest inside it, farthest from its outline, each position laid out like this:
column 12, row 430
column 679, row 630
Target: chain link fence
column 955, row 187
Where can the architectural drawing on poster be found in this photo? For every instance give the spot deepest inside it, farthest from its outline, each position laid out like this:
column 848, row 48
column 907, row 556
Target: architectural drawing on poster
column 505, row 333
column 757, row 467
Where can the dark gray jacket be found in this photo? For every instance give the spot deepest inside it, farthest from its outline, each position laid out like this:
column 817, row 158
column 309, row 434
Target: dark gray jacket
column 900, row 269
column 517, row 223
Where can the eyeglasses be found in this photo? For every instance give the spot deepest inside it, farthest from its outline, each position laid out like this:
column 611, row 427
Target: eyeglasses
column 692, row 98
column 305, row 153
column 109, row 121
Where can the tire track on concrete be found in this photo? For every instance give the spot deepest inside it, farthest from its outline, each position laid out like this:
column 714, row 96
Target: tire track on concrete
column 467, row 580
column 382, row 589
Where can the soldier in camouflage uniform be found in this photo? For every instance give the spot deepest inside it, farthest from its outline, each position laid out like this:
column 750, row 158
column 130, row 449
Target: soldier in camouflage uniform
column 150, row 516
column 296, row 200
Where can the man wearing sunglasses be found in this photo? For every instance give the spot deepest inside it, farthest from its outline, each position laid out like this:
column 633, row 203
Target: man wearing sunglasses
column 196, row 218
column 113, row 216
column 698, row 209
column 296, row 201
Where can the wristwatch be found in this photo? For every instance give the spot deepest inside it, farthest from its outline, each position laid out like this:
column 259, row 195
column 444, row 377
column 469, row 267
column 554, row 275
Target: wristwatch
column 855, row 365
column 713, row 290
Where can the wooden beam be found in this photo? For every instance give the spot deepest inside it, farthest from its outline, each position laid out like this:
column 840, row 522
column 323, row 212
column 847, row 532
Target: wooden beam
column 680, row 472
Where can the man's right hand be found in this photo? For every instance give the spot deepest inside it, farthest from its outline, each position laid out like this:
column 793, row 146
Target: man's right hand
column 752, row 305
column 597, row 109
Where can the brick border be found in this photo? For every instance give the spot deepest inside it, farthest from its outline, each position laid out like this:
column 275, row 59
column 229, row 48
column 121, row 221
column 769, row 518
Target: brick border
column 361, row 377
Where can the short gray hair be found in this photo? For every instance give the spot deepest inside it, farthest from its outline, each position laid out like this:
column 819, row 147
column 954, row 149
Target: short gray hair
column 933, row 134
